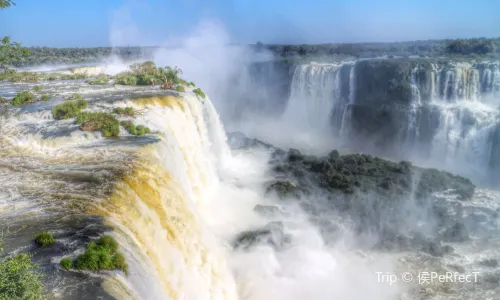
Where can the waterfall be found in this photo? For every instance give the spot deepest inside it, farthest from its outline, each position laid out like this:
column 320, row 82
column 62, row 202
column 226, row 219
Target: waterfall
column 147, row 192
column 313, row 96
column 450, row 107
column 319, row 100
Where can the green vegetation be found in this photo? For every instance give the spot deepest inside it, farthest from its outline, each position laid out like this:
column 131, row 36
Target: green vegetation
column 3, row 100
column 24, row 97
column 106, row 123
column 135, row 130
column 180, row 89
column 19, row 279
column 10, row 52
column 45, row 55
column 44, row 239
column 66, row 263
column 127, row 111
column 148, row 74
column 101, row 79
column 199, row 93
column 479, row 46
column 100, row 255
column 36, row 88
column 191, row 84
column 45, row 98
column 13, row 76
column 68, row 110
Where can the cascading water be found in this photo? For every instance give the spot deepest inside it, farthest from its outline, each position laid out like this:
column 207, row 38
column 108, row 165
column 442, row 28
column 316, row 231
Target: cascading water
column 319, row 99
column 449, row 108
column 150, row 202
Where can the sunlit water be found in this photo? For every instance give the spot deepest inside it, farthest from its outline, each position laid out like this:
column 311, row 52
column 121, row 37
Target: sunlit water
column 176, row 199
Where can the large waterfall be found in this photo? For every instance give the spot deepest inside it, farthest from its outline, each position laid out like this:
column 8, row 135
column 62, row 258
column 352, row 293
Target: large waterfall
column 148, row 191
column 442, row 114
column 319, row 99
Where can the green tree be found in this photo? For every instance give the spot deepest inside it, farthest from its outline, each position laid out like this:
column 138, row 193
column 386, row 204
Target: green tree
column 19, row 276
column 10, row 52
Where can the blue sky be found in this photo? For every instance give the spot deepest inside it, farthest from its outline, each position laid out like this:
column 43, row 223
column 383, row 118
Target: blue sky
column 80, row 23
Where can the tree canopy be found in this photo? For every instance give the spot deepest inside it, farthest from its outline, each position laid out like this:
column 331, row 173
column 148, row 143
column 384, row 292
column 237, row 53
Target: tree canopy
column 10, row 52
column 6, row 3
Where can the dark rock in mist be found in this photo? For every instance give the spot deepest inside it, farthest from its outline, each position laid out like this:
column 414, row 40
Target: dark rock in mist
column 284, row 189
column 269, row 210
column 238, row 140
column 490, row 263
column 456, row 233
column 272, row 234
column 379, row 196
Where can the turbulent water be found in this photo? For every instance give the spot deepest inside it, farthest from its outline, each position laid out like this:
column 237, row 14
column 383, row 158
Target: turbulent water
column 447, row 118
column 176, row 199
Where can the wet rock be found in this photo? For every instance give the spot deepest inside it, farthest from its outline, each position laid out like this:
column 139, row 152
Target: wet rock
column 456, row 233
column 272, row 234
column 457, row 268
column 238, row 140
column 294, row 155
column 284, row 189
column 490, row 263
column 268, row 210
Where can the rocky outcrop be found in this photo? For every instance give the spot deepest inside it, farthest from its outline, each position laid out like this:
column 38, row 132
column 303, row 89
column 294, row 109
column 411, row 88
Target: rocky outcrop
column 377, row 195
column 272, row 234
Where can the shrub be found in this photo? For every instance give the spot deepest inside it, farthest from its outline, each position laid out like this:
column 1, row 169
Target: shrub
column 142, row 130
column 66, row 263
column 199, row 93
column 45, row 98
column 101, row 255
column 106, row 123
column 101, row 79
column 191, row 84
column 3, row 100
column 127, row 111
column 19, row 279
column 23, row 98
column 44, row 239
column 68, row 110
column 132, row 129
column 180, row 89
column 36, row 88
column 126, row 78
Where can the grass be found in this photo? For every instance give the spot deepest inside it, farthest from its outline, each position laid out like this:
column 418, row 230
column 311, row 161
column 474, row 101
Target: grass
column 135, row 130
column 45, row 98
column 24, row 97
column 180, row 89
column 68, row 110
column 101, row 79
column 44, row 239
column 66, row 263
column 36, row 88
column 127, row 111
column 19, row 279
column 106, row 123
column 14, row 76
column 100, row 255
column 199, row 93
column 3, row 100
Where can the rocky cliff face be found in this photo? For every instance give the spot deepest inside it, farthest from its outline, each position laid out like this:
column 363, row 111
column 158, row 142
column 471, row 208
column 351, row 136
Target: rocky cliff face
column 442, row 111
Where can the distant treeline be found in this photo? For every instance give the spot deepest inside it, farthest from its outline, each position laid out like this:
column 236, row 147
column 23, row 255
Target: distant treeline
column 431, row 48
column 479, row 47
column 45, row 55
